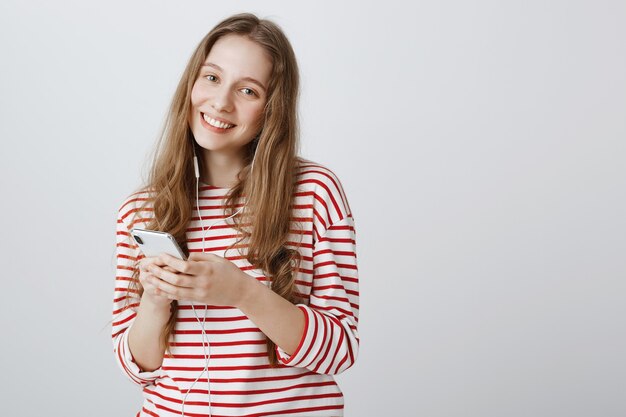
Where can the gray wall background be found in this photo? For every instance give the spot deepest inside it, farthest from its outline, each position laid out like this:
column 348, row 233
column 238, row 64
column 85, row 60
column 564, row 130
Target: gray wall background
column 482, row 147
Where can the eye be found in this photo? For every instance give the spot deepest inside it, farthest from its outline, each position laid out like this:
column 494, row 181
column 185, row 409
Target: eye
column 211, row 77
column 248, row 91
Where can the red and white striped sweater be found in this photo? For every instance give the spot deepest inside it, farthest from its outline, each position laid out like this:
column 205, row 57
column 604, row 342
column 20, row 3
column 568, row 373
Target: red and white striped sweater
column 242, row 382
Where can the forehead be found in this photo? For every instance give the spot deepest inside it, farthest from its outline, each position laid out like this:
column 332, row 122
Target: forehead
column 239, row 57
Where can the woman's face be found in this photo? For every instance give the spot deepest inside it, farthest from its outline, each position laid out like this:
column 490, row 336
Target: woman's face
column 229, row 95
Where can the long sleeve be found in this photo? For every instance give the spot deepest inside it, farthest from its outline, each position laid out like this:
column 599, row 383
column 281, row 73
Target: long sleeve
column 126, row 300
column 330, row 341
column 242, row 380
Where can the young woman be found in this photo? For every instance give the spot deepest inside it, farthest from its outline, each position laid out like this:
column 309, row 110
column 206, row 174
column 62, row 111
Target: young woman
column 264, row 310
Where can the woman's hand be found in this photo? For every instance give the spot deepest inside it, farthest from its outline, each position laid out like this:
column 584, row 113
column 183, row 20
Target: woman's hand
column 204, row 278
column 151, row 292
column 211, row 279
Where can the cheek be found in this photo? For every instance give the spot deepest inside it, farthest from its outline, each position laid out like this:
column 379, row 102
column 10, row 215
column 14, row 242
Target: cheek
column 254, row 114
column 196, row 94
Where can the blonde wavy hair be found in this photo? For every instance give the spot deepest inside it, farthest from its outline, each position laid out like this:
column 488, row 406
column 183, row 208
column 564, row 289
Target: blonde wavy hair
column 265, row 222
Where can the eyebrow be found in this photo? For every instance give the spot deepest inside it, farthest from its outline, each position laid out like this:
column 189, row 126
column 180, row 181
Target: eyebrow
column 250, row 79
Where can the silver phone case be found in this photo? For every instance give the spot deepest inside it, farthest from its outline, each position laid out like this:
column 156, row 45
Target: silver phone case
column 154, row 243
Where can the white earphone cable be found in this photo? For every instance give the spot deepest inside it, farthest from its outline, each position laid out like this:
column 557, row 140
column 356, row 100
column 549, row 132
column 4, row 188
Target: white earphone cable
column 206, row 345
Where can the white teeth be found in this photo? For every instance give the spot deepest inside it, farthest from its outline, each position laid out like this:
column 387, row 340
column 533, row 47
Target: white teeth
column 216, row 123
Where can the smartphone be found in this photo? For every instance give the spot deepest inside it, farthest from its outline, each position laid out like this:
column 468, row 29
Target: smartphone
column 153, row 243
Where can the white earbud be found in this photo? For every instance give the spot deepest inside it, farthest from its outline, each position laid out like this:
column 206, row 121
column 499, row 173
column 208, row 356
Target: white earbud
column 195, row 164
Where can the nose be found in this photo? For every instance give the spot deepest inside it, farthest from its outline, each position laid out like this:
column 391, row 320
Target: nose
column 222, row 101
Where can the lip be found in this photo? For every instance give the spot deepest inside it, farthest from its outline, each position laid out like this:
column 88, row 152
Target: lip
column 219, row 119
column 213, row 128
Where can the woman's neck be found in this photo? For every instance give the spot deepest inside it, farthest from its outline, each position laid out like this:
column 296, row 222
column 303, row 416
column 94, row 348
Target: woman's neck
column 221, row 169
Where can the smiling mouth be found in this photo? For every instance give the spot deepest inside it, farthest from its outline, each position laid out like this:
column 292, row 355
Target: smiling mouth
column 216, row 123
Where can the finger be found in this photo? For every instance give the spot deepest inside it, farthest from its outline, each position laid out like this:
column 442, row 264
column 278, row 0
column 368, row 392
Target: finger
column 179, row 265
column 146, row 280
column 200, row 256
column 143, row 263
column 152, row 260
column 149, row 288
column 174, row 278
column 171, row 291
column 157, row 292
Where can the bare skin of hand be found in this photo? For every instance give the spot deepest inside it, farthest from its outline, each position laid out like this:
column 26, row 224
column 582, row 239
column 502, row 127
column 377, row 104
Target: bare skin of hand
column 152, row 315
column 150, row 291
column 204, row 278
column 210, row 279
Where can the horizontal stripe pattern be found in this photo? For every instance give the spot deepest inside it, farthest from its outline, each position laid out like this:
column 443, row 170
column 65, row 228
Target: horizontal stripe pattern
column 242, row 383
